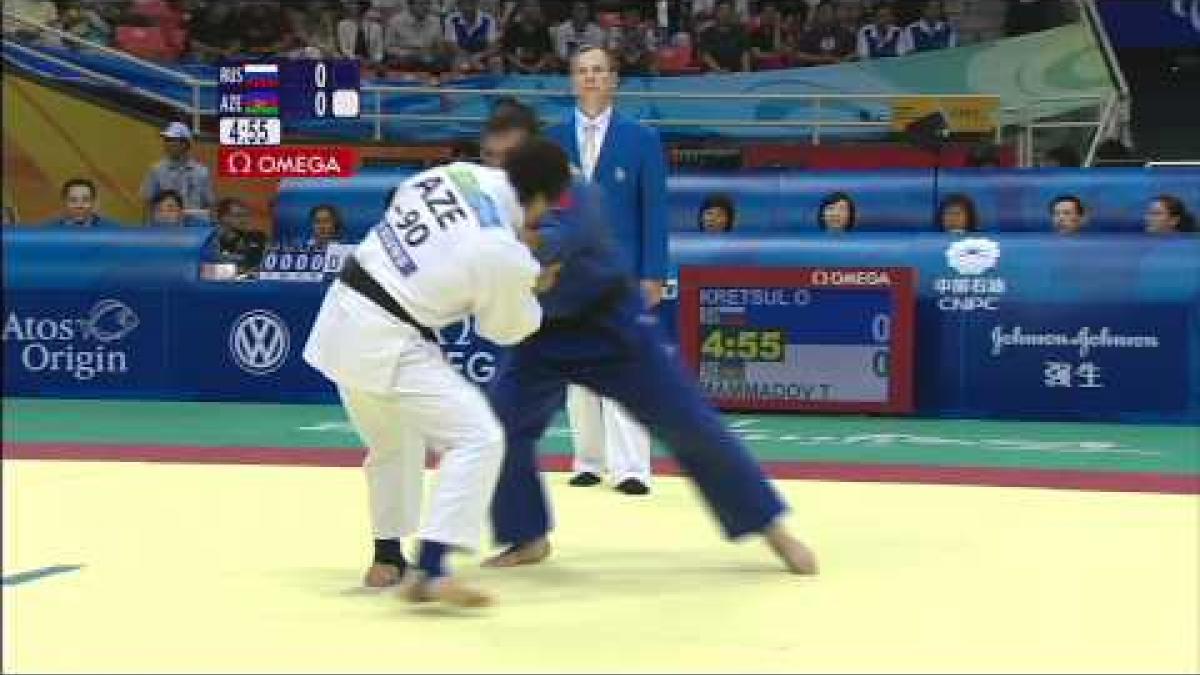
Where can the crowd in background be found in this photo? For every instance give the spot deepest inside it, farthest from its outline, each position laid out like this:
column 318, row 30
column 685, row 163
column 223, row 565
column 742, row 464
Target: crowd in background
column 448, row 37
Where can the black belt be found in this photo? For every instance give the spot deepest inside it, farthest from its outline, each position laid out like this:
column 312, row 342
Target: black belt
column 354, row 276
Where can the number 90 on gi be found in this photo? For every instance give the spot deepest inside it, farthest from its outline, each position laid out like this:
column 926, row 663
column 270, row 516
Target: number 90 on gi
column 250, row 131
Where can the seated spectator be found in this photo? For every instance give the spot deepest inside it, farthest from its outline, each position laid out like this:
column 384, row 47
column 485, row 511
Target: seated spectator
column 826, row 41
column 473, row 37
column 1062, row 156
column 359, row 36
column 233, row 240
column 1068, row 213
column 326, row 226
column 313, row 30
column 768, row 40
column 1167, row 214
column 633, row 43
column 179, row 172
column 882, row 37
column 214, row 32
column 415, row 39
column 837, row 213
column 527, row 45
column 167, row 210
column 577, row 32
column 850, row 16
column 957, row 215
column 79, row 206
column 725, row 47
column 717, row 213
column 932, row 31
column 85, row 24
column 704, row 13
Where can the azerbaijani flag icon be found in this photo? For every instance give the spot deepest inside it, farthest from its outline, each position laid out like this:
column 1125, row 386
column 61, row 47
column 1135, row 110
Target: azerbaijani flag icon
column 260, row 75
column 264, row 103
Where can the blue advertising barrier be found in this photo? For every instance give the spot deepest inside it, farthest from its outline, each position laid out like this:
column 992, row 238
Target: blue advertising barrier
column 1017, row 326
column 903, row 200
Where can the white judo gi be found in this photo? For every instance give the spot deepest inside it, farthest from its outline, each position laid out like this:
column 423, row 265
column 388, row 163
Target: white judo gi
column 446, row 249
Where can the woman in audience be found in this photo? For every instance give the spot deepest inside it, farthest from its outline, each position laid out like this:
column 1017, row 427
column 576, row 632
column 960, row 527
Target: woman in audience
column 957, row 215
column 837, row 213
column 167, row 209
column 717, row 214
column 1167, row 214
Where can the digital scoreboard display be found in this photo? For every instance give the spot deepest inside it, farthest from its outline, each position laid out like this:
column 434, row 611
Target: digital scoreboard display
column 829, row 339
column 255, row 98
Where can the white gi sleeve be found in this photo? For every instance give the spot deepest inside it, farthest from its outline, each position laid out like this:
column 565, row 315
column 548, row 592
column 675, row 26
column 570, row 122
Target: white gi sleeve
column 506, row 309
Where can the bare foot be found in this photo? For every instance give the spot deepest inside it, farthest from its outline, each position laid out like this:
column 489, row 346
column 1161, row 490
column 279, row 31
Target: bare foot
column 382, row 575
column 446, row 590
column 798, row 557
column 529, row 553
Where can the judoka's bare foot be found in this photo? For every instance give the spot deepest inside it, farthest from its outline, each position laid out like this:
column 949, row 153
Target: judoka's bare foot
column 798, row 558
column 446, row 590
column 382, row 575
column 529, row 553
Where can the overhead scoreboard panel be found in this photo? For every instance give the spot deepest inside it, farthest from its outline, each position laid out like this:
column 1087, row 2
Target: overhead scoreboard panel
column 255, row 98
column 829, row 339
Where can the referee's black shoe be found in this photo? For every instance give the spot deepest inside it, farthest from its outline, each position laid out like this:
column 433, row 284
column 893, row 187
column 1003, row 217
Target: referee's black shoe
column 584, row 479
column 633, row 486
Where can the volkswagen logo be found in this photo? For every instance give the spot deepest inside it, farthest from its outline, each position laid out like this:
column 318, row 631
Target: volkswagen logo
column 259, row 342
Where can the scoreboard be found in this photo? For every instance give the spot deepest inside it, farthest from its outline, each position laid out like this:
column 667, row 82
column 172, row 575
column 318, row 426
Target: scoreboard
column 817, row 339
column 254, row 99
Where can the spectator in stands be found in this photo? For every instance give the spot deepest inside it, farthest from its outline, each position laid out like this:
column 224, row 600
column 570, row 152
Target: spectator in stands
column 633, row 43
column 826, row 41
column 179, row 172
column 1068, row 213
column 526, row 44
column 262, row 28
column 415, row 39
column 1167, row 214
column 473, row 35
column 717, row 213
column 326, row 226
column 882, row 37
column 1062, row 156
column 768, row 40
column 233, row 239
column 850, row 16
column 725, row 47
column 79, row 206
column 837, row 213
column 704, row 13
column 167, row 210
column 957, row 214
column 577, row 32
column 85, row 24
column 360, row 36
column 314, row 30
column 932, row 31
column 213, row 33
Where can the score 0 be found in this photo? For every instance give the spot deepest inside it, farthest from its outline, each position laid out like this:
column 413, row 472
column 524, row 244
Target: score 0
column 341, row 102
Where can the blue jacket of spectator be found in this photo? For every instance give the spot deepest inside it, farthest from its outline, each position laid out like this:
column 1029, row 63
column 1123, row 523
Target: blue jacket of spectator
column 96, row 221
column 631, row 171
column 925, row 37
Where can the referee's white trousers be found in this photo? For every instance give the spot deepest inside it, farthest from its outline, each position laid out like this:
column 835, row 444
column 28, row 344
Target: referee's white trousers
column 603, row 430
column 429, row 405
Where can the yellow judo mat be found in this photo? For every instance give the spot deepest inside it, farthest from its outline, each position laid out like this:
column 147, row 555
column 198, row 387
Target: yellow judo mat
column 187, row 568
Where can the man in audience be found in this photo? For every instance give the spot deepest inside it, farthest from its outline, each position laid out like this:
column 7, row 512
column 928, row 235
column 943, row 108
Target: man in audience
column 261, row 28
column 214, row 32
column 79, row 206
column 633, row 43
column 359, row 35
column 932, row 31
column 576, row 33
column 725, row 48
column 473, row 34
column 882, row 37
column 826, row 41
column 527, row 45
column 178, row 171
column 234, row 240
column 768, row 40
column 415, row 39
column 1068, row 213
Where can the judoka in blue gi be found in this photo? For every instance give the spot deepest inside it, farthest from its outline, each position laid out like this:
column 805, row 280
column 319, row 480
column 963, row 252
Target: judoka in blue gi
column 596, row 333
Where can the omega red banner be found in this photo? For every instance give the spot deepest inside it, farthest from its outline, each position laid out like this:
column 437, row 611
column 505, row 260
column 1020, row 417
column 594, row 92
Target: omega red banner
column 286, row 162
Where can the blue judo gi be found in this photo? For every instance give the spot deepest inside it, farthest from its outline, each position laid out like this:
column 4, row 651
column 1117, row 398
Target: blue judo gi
column 596, row 333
